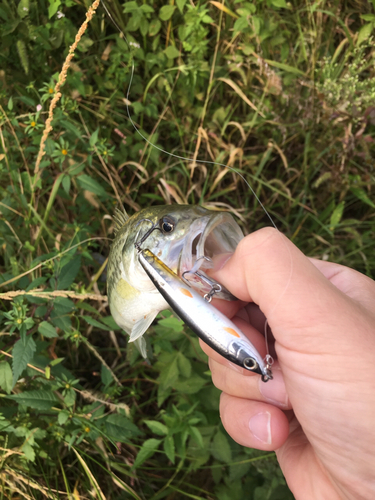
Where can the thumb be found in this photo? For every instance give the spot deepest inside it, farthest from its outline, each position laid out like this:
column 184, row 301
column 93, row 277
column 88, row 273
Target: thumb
column 306, row 312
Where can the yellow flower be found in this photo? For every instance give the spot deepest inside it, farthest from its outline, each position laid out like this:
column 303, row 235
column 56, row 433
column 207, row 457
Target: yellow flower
column 64, row 152
column 87, row 429
column 50, row 90
column 33, row 124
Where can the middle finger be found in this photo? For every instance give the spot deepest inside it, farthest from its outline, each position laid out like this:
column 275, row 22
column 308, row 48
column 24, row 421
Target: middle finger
column 246, row 386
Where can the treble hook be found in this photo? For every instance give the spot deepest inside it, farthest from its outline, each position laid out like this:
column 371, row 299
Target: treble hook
column 138, row 243
column 215, row 286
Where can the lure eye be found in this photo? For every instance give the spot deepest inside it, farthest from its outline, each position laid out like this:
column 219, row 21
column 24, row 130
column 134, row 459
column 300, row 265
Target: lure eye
column 250, row 364
column 167, row 225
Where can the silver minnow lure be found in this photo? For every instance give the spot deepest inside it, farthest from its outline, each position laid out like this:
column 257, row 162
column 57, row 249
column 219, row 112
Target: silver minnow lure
column 204, row 319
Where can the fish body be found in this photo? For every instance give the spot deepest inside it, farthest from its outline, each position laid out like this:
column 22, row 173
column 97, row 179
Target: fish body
column 206, row 321
column 185, row 237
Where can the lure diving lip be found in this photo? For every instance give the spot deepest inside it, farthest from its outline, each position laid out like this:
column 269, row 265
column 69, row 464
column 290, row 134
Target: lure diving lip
column 205, row 320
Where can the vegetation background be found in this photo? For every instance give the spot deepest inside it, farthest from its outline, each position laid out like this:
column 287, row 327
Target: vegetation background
column 282, row 91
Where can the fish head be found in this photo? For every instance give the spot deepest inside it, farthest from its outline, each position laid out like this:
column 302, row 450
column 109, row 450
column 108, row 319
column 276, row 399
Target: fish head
column 183, row 236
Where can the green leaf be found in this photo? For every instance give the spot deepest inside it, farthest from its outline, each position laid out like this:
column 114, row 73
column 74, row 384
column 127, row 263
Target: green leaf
column 47, row 330
column 53, row 7
column 336, row 215
column 110, row 322
column 144, row 24
column 171, row 52
column 173, row 323
column 36, row 283
column 91, row 321
column 5, row 377
column 157, row 427
column 169, row 374
column 121, row 428
column 147, row 9
column 56, row 361
column 207, row 19
column 166, row 12
column 106, row 375
column 240, row 25
column 279, row 4
column 130, row 7
column 6, row 426
column 361, row 195
column 29, row 452
column 191, row 385
column 181, row 5
column 66, row 183
column 39, row 400
column 184, row 365
column 85, row 43
column 285, row 67
column 195, row 433
column 68, row 273
column 63, row 305
column 23, row 8
column 94, row 137
column 220, row 448
column 70, row 397
column 71, row 128
column 169, row 448
column 10, row 103
column 368, row 17
column 364, row 33
column 154, row 27
column 163, row 394
column 23, row 352
column 88, row 183
column 60, row 315
column 62, row 417
column 148, row 449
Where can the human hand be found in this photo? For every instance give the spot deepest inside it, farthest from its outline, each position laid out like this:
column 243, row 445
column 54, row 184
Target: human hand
column 319, row 411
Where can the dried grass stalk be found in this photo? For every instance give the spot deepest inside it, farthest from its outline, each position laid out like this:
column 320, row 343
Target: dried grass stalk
column 62, row 77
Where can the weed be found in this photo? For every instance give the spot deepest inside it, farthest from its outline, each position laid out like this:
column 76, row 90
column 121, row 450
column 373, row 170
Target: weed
column 282, row 91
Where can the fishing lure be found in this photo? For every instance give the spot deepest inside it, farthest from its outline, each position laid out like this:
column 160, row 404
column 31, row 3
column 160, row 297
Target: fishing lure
column 213, row 327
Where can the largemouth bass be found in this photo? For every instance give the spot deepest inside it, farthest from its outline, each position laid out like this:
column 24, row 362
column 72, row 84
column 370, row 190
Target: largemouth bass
column 186, row 239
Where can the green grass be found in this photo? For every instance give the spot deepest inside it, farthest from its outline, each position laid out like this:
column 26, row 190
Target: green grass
column 281, row 91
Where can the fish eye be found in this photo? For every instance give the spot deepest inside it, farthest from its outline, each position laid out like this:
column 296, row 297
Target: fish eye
column 167, row 225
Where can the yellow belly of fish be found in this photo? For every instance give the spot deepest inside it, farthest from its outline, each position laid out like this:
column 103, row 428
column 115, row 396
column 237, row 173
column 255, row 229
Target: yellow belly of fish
column 133, row 310
column 126, row 291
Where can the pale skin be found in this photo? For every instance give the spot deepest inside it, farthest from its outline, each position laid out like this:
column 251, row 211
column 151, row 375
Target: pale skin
column 318, row 413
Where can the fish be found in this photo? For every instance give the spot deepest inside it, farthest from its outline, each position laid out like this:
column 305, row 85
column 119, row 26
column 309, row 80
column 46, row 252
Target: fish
column 185, row 238
column 213, row 327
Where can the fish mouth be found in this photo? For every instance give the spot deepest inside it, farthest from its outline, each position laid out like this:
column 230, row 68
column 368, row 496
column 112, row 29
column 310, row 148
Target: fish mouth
column 208, row 238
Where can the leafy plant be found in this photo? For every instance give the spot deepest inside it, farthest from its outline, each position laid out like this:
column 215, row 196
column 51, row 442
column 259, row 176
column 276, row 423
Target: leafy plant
column 283, row 92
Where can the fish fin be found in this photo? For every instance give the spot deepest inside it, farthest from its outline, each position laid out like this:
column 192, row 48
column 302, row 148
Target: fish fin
column 141, row 326
column 120, row 217
column 140, row 344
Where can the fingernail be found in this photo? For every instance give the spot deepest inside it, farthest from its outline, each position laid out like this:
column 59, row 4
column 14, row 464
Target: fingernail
column 221, row 260
column 274, row 390
column 260, row 426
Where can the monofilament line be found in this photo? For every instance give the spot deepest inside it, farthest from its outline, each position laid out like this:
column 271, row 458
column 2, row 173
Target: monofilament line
column 163, row 150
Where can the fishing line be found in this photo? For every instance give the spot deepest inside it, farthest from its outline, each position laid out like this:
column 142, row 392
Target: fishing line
column 158, row 147
column 269, row 359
